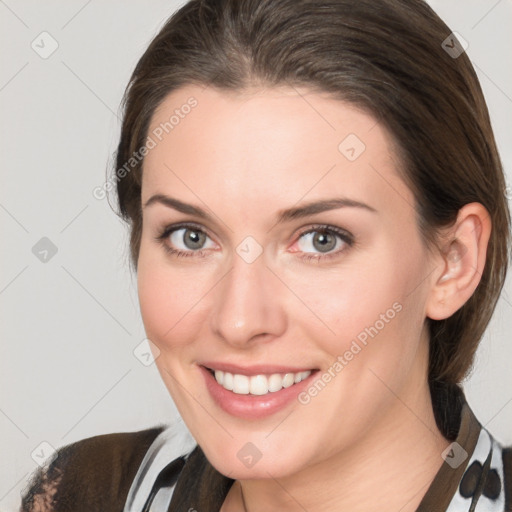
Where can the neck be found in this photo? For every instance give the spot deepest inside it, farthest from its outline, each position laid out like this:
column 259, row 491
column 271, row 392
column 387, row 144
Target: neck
column 394, row 464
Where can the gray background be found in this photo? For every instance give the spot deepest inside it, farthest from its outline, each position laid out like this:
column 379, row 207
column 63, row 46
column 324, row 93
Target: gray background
column 70, row 324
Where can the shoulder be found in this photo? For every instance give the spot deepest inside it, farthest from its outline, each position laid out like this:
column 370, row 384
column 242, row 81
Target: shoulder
column 90, row 474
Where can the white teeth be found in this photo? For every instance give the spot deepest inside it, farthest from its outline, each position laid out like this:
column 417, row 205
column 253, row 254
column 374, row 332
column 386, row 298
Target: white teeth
column 275, row 382
column 219, row 375
column 241, row 384
column 288, row 380
column 227, row 379
column 258, row 384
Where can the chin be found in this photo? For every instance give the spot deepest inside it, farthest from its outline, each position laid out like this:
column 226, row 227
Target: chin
column 247, row 462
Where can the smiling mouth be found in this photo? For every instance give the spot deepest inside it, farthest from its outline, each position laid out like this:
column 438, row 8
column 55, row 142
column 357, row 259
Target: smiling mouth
column 260, row 384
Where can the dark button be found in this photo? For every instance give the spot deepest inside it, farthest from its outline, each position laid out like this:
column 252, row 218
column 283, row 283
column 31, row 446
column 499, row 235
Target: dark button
column 471, row 478
column 492, row 486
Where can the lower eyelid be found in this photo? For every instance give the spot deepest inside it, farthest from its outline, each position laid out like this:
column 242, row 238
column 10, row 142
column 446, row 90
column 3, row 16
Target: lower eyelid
column 324, row 256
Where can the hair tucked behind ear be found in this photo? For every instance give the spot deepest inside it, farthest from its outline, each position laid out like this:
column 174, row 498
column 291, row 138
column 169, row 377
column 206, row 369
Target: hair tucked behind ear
column 384, row 56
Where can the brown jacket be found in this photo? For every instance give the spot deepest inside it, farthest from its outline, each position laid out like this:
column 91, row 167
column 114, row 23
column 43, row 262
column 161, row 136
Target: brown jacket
column 90, row 475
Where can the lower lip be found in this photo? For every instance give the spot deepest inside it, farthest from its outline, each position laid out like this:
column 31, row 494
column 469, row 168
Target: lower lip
column 252, row 406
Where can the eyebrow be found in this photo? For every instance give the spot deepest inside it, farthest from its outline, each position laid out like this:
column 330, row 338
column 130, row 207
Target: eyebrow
column 287, row 215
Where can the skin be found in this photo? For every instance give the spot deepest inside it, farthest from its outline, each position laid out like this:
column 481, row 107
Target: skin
column 244, row 157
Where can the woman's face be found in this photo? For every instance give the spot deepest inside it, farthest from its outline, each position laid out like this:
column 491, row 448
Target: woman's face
column 298, row 251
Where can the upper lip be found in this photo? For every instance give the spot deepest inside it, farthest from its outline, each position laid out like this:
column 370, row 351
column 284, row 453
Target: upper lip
column 256, row 369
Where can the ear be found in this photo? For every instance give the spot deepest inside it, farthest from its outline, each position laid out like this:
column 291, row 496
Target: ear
column 460, row 263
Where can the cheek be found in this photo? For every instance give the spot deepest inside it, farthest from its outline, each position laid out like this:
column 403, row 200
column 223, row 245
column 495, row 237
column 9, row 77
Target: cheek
column 342, row 301
column 373, row 302
column 168, row 299
column 156, row 307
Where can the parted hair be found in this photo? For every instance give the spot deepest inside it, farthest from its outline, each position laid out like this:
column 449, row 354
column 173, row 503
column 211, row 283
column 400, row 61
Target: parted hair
column 395, row 59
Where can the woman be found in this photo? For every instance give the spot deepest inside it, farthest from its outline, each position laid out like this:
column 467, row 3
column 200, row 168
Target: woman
column 320, row 232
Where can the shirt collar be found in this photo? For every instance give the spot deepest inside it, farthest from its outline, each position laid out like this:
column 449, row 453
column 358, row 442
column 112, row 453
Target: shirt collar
column 471, row 477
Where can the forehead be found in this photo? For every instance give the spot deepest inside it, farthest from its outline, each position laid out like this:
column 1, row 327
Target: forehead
column 281, row 144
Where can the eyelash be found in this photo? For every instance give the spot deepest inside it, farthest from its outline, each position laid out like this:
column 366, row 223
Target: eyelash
column 345, row 236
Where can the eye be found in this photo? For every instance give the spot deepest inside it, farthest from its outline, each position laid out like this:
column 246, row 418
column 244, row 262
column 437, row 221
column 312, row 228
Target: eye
column 323, row 242
column 192, row 239
column 318, row 242
column 185, row 240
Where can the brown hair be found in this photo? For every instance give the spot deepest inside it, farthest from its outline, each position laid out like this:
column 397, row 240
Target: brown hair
column 384, row 56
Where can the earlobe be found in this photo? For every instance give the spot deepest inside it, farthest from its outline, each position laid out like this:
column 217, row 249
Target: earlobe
column 461, row 263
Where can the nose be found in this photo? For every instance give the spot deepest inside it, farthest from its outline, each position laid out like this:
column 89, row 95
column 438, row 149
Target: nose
column 248, row 306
